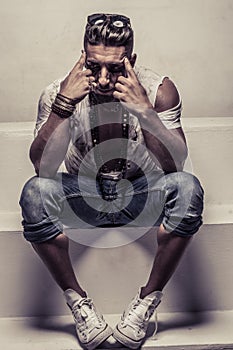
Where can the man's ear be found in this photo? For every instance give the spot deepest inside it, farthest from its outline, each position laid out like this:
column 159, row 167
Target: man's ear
column 133, row 59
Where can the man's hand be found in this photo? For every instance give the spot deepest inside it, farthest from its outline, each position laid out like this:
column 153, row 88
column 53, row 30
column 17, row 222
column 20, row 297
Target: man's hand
column 130, row 92
column 79, row 82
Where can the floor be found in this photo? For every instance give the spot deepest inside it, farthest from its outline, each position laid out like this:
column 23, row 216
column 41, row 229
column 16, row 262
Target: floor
column 210, row 330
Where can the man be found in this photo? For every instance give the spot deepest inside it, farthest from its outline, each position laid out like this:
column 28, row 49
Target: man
column 134, row 114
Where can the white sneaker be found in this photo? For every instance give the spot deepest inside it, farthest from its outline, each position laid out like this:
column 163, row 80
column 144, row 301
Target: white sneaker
column 91, row 327
column 131, row 330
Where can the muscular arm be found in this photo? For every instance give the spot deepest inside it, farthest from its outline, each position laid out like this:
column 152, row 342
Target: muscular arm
column 167, row 147
column 49, row 148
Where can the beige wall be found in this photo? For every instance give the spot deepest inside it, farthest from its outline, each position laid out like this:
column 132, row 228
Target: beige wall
column 191, row 41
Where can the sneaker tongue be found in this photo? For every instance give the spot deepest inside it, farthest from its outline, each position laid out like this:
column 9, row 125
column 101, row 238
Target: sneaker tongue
column 71, row 297
column 154, row 295
column 157, row 295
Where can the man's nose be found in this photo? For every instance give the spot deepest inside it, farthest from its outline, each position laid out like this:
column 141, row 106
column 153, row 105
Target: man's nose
column 104, row 77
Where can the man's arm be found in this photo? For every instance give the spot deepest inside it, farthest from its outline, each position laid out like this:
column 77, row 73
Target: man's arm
column 167, row 147
column 49, row 148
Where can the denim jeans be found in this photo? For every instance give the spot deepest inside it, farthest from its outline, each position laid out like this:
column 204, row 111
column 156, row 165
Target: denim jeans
column 175, row 200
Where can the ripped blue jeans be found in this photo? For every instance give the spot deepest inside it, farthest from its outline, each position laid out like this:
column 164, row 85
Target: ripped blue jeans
column 174, row 200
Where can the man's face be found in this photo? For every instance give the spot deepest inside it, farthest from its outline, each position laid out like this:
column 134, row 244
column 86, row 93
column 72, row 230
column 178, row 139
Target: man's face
column 107, row 64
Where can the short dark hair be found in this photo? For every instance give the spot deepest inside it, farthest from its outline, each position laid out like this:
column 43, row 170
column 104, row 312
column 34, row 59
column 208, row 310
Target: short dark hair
column 109, row 35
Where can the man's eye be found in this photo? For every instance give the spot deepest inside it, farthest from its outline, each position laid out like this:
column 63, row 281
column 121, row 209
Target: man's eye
column 92, row 66
column 95, row 67
column 116, row 69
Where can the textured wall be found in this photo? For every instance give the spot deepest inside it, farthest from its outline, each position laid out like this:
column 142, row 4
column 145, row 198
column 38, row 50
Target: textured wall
column 191, row 41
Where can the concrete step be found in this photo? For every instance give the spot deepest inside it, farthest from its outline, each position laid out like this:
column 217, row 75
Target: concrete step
column 177, row 331
column 210, row 143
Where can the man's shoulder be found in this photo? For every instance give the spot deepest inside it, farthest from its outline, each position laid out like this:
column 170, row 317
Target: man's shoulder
column 50, row 91
column 150, row 80
column 167, row 96
column 146, row 74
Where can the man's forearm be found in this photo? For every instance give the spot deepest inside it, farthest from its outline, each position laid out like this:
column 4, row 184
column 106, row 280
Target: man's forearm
column 167, row 148
column 49, row 148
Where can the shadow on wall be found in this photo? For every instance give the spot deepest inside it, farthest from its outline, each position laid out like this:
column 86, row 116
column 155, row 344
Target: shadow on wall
column 187, row 291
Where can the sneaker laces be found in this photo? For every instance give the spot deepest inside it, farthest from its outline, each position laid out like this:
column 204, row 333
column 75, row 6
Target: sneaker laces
column 153, row 337
column 139, row 314
column 86, row 315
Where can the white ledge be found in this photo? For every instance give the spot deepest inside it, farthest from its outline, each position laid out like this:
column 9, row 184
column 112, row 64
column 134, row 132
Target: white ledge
column 208, row 330
column 191, row 123
column 207, row 123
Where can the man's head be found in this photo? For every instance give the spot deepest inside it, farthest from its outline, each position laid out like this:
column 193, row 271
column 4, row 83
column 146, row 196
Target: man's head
column 109, row 30
column 107, row 40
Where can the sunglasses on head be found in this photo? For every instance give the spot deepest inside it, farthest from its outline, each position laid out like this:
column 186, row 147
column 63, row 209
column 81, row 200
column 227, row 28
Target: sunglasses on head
column 118, row 21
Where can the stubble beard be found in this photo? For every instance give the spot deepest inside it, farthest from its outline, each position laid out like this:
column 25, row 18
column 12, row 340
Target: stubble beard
column 101, row 98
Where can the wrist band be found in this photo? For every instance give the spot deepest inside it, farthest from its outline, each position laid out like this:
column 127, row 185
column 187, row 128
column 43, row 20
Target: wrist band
column 71, row 101
column 63, row 106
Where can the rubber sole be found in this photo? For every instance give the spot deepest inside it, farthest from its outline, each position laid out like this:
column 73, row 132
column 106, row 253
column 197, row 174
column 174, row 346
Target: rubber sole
column 123, row 339
column 100, row 338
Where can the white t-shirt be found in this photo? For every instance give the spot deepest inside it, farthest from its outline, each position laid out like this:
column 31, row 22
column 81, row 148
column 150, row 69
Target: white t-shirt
column 80, row 152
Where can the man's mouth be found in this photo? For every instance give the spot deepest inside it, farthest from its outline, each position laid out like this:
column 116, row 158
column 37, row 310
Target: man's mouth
column 104, row 91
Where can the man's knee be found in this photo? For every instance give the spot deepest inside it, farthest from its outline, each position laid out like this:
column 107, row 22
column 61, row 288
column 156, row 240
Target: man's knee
column 192, row 191
column 31, row 193
column 40, row 208
column 184, row 207
column 185, row 188
column 35, row 195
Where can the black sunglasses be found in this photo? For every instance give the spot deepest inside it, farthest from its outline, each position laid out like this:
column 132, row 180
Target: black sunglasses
column 118, row 21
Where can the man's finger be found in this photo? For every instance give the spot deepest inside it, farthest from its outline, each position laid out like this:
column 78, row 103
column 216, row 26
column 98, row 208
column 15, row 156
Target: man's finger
column 119, row 87
column 87, row 72
column 129, row 69
column 118, row 95
column 122, row 80
column 80, row 64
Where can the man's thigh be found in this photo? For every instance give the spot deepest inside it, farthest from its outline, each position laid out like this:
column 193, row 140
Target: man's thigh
column 139, row 203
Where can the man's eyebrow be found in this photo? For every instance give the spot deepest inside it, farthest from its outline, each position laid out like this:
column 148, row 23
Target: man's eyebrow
column 113, row 63
column 91, row 60
column 120, row 63
column 116, row 63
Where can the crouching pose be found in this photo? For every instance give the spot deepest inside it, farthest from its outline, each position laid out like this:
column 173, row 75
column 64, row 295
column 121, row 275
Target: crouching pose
column 116, row 129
